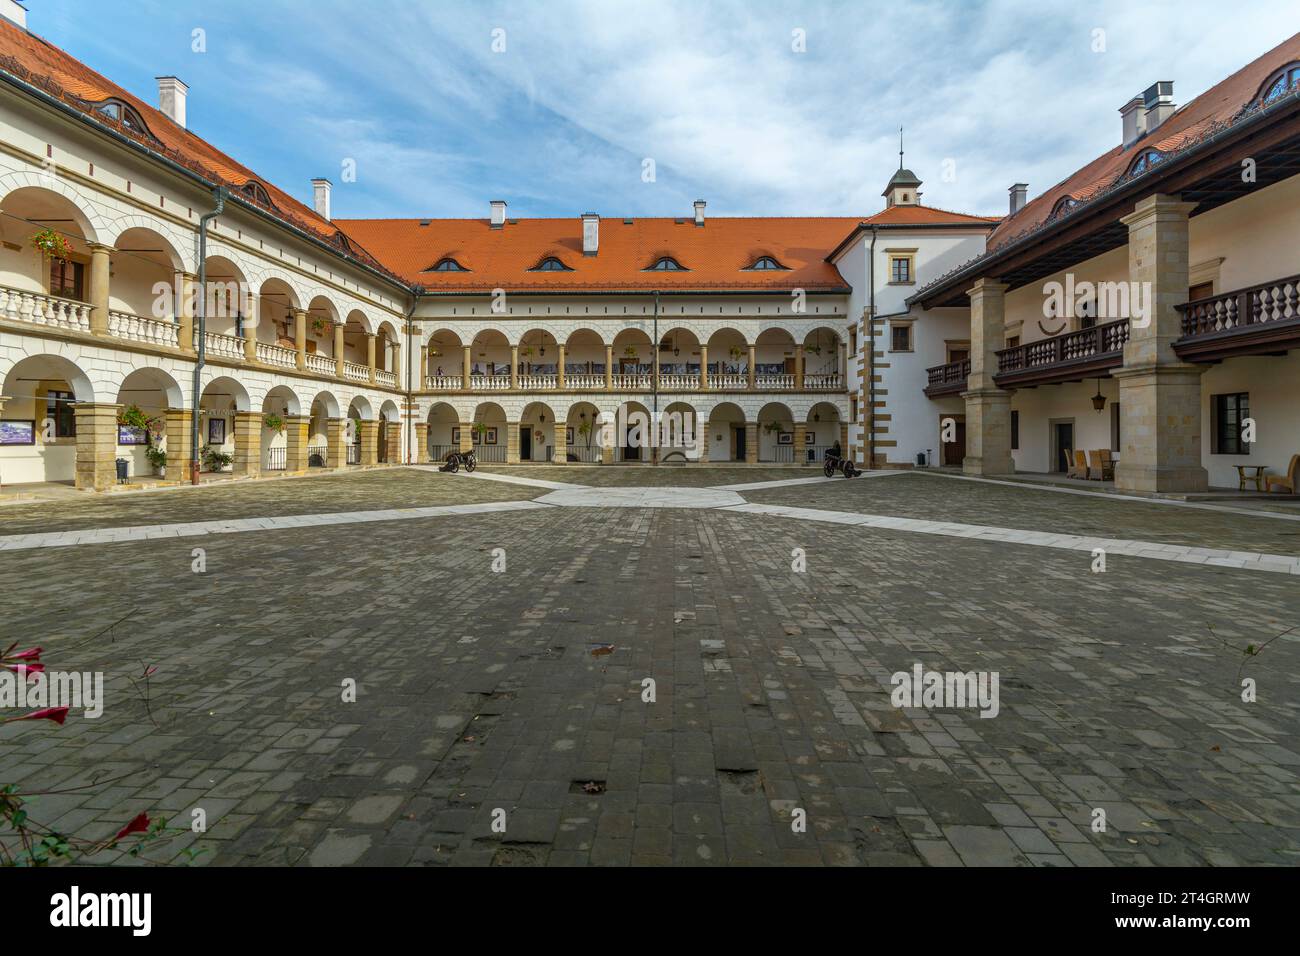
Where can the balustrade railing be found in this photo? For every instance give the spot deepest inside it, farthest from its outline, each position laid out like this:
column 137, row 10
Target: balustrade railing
column 1100, row 340
column 490, row 383
column 226, row 346
column 823, row 382
column 1276, row 301
column 355, row 372
column 631, row 382
column 276, row 355
column 729, row 381
column 952, row 373
column 139, row 328
column 48, row 310
column 444, row 383
column 320, row 364
column 386, row 378
column 767, row 381
column 533, row 383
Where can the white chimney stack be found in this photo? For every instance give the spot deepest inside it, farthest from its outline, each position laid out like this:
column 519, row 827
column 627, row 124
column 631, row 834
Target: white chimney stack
column 699, row 211
column 171, row 98
column 320, row 196
column 498, row 213
column 1018, row 193
column 1158, row 102
column 590, row 233
column 1135, row 121
column 14, row 12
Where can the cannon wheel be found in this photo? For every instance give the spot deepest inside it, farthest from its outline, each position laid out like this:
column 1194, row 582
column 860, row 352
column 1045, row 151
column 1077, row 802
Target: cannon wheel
column 453, row 465
column 828, row 468
column 470, row 463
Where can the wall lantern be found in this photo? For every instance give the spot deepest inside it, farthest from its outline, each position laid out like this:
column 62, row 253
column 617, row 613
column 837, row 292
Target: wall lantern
column 1098, row 400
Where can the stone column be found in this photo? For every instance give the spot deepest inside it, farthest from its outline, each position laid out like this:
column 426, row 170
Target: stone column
column 800, row 442
column 752, row 355
column 395, row 362
column 988, row 408
column 607, row 455
column 466, row 436
column 559, row 370
column 704, row 366
column 751, row 439
column 370, row 356
column 296, row 435
column 1159, row 395
column 561, row 454
column 98, row 287
column 514, row 367
column 369, row 431
column 464, row 368
column 188, row 288
column 248, row 323
column 512, row 442
column 424, row 370
column 300, row 336
column 609, row 367
column 248, row 444
column 96, row 444
column 393, row 443
column 420, row 454
column 336, row 448
column 338, row 350
column 178, row 424
column 798, row 366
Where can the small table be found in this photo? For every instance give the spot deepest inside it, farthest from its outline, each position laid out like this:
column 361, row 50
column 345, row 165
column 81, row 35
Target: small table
column 1257, row 477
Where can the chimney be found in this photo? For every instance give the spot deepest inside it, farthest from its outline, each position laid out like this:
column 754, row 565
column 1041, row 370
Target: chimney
column 1135, row 121
column 1018, row 193
column 590, row 233
column 498, row 213
column 320, row 197
column 1158, row 101
column 14, row 12
column 699, row 211
column 171, row 98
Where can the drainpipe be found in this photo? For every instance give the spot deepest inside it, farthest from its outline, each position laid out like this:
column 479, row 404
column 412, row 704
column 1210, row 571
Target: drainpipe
column 654, row 385
column 871, row 363
column 410, row 422
column 200, row 329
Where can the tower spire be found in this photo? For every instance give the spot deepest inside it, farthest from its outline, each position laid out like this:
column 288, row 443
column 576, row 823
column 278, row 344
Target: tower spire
column 900, row 147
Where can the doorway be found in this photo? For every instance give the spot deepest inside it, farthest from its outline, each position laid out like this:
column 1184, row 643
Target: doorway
column 525, row 442
column 1062, row 444
column 954, row 452
column 738, row 431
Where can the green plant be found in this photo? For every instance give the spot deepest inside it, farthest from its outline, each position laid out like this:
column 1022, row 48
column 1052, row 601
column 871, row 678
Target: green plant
column 736, row 352
column 630, row 351
column 52, row 244
column 771, row 427
column 584, row 429
column 273, row 422
column 526, row 351
column 215, row 460
column 156, row 456
column 133, row 417
column 318, row 325
column 479, row 429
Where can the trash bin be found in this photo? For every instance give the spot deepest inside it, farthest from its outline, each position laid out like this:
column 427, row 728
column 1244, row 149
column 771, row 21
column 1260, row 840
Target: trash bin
column 920, row 459
column 121, row 470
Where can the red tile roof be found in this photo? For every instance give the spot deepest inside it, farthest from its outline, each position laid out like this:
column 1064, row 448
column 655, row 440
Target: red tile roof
column 1218, row 104
column 715, row 255
column 41, row 64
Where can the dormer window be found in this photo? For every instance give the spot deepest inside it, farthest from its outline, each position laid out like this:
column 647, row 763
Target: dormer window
column 765, row 264
column 1063, row 206
column 1144, row 162
column 446, row 264
column 123, row 113
column 666, row 264
column 1280, row 84
column 257, row 192
column 551, row 264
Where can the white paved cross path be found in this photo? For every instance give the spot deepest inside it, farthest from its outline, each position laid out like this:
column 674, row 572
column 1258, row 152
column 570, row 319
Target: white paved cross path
column 720, row 498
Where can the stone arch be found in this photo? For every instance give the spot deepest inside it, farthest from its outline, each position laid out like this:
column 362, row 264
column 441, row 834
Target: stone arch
column 43, row 389
column 725, row 433
column 584, row 418
column 179, row 244
column 444, row 423
column 775, row 432
column 361, row 408
column 537, row 424
column 92, row 225
column 161, row 389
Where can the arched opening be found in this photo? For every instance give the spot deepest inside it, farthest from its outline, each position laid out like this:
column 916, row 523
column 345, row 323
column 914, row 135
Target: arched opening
column 46, row 254
column 822, row 431
column 38, row 433
column 633, row 355
column 390, row 437
column 145, row 279
column 444, row 431
column 321, row 319
column 582, row 433
column 823, row 359
column 679, row 360
column 276, row 302
column 355, row 356
column 387, row 348
column 725, row 436
column 229, row 316
column 537, row 433
column 584, row 360
column 146, row 394
column 222, row 398
column 361, row 433
column 489, row 361
column 539, row 356
column 728, row 360
column 280, row 403
column 774, row 359
column 775, row 433
column 445, row 350
column 488, row 432
column 632, row 435
column 680, row 434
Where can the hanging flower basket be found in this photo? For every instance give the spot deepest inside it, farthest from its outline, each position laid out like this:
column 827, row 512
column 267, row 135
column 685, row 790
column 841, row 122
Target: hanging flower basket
column 273, row 422
column 52, row 244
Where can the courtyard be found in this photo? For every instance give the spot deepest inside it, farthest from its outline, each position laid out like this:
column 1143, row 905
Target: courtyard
column 605, row 665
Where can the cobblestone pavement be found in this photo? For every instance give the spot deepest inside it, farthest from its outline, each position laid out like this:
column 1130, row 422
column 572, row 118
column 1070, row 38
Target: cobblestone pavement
column 521, row 691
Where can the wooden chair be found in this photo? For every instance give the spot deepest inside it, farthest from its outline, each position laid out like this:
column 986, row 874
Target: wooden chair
column 1095, row 470
column 1107, row 465
column 1290, row 481
column 1080, row 467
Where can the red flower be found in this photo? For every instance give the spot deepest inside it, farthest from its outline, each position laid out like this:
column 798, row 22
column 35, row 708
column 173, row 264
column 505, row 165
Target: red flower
column 25, row 670
column 56, row 714
column 139, row 825
column 31, row 654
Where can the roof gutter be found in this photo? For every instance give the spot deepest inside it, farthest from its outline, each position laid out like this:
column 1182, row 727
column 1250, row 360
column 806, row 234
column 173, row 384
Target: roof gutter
column 871, row 347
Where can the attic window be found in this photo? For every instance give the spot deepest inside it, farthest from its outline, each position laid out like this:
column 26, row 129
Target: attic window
column 1144, row 162
column 257, row 192
column 447, row 264
column 764, row 264
column 1279, row 84
column 1063, row 206
column 551, row 264
column 124, row 114
column 666, row 264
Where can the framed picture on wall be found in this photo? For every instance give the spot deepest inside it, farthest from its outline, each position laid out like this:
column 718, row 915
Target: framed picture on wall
column 785, row 438
column 810, row 438
column 216, row 431
column 129, row 435
column 18, row 432
column 455, row 435
column 490, row 436
column 568, row 435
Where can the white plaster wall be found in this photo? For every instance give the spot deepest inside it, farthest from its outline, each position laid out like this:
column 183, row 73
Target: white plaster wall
column 1273, row 384
column 1038, row 407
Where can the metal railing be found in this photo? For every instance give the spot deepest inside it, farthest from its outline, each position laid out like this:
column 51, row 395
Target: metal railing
column 277, row 458
column 494, row 453
column 317, row 455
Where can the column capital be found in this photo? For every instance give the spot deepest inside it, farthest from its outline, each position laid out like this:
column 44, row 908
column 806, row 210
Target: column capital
column 986, row 285
column 1158, row 206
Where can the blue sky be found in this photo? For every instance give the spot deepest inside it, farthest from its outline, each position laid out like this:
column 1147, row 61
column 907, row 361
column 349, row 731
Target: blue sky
column 560, row 122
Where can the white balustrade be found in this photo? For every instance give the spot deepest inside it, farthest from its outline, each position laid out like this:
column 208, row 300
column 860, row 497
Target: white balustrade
column 386, row 378
column 827, row 382
column 631, row 382
column 276, row 355
column 355, row 372
column 226, row 346
column 444, row 383
column 676, row 382
column 729, row 381
column 583, row 380
column 768, row 381
column 532, row 383
column 320, row 364
column 489, row 383
column 40, row 309
column 139, row 328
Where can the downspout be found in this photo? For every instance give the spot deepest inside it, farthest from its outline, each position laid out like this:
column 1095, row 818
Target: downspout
column 654, row 385
column 201, row 326
column 871, row 362
column 410, row 421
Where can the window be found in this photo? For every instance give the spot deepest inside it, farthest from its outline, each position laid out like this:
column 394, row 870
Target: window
column 1144, row 162
column 666, row 264
column 900, row 269
column 853, row 341
column 1063, row 206
column 900, row 337
column 67, row 279
column 853, row 408
column 1230, row 414
column 1013, row 341
column 1015, row 430
column 124, row 114
column 1280, row 84
column 765, row 263
column 257, row 192
column 58, row 409
column 446, row 265
column 551, row 264
column 1202, row 290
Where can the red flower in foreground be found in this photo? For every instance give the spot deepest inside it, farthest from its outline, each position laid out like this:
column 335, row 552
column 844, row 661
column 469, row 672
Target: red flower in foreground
column 31, row 654
column 139, row 825
column 25, row 670
column 56, row 714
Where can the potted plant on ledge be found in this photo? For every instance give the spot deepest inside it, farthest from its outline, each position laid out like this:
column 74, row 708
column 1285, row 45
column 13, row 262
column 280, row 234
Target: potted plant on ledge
column 158, row 459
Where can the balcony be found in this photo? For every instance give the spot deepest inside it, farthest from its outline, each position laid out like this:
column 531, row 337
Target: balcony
column 670, row 382
column 48, row 310
column 138, row 328
column 1069, row 357
column 949, row 379
column 1259, row 320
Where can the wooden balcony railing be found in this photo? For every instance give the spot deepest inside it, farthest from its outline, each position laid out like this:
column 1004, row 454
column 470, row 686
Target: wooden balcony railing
column 947, row 379
column 1275, row 301
column 1098, row 341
